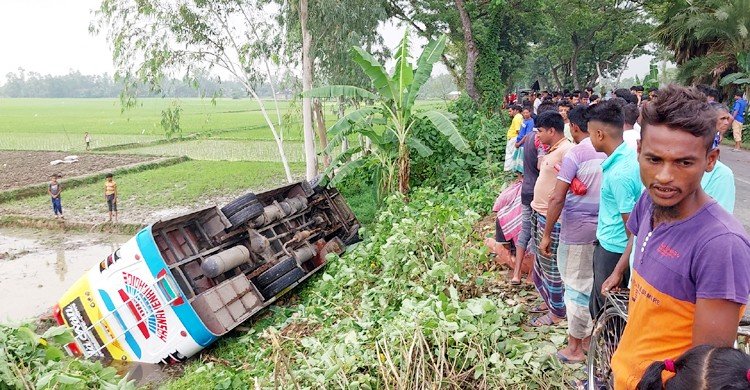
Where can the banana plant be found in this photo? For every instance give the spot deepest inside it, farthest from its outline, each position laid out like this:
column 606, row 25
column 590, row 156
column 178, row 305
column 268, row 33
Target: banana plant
column 741, row 78
column 389, row 121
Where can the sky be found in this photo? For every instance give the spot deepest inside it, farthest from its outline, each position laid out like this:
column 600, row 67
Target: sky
column 52, row 37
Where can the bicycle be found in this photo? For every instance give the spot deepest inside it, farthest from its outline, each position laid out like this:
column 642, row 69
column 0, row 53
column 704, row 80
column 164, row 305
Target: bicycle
column 608, row 329
column 605, row 336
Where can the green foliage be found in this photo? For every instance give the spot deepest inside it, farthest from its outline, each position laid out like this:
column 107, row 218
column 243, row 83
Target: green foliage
column 651, row 80
column 485, row 133
column 170, row 121
column 707, row 37
column 388, row 125
column 407, row 307
column 30, row 361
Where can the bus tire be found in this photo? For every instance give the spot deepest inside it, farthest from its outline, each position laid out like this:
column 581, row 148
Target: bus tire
column 238, row 204
column 252, row 211
column 275, row 272
column 283, row 282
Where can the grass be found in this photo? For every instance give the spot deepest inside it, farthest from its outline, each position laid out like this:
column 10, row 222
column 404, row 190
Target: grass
column 59, row 124
column 224, row 150
column 192, row 183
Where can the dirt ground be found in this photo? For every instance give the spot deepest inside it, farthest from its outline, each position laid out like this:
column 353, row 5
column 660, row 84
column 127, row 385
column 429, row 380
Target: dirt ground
column 22, row 168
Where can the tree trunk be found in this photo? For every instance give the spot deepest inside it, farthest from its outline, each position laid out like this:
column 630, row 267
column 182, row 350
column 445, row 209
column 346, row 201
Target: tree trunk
column 472, row 53
column 403, row 169
column 311, row 161
column 320, row 122
column 341, row 113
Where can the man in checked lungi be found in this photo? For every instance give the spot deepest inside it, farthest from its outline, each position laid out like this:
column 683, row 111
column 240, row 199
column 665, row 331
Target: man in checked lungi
column 546, row 275
column 576, row 199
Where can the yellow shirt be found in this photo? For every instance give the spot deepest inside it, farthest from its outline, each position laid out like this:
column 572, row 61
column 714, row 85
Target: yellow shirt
column 110, row 187
column 515, row 126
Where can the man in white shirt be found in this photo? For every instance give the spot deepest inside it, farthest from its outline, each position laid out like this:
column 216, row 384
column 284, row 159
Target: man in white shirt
column 631, row 130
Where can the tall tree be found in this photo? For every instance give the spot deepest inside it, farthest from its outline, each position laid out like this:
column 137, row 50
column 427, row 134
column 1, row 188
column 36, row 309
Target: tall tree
column 579, row 41
column 706, row 36
column 307, row 75
column 336, row 26
column 472, row 53
column 153, row 40
column 500, row 32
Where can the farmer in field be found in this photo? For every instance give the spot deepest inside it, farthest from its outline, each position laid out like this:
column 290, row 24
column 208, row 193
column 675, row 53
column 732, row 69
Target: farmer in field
column 110, row 195
column 87, row 139
column 576, row 198
column 691, row 275
column 546, row 274
column 55, row 190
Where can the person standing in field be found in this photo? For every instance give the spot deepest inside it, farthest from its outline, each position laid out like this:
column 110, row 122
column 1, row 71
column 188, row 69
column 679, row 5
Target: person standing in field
column 110, row 195
column 87, row 139
column 55, row 190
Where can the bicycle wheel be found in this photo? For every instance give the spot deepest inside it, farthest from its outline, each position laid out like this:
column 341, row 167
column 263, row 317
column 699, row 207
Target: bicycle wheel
column 604, row 339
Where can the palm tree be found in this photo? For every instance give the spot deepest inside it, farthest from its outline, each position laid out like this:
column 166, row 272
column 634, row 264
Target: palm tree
column 388, row 123
column 706, row 37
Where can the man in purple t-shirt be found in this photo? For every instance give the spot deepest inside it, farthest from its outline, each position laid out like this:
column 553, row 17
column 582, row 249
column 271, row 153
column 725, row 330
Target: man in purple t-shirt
column 691, row 274
column 576, row 199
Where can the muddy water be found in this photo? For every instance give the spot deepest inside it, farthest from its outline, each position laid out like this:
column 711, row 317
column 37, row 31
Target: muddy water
column 37, row 267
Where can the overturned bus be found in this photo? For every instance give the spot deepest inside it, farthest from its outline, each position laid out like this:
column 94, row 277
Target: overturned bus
column 181, row 283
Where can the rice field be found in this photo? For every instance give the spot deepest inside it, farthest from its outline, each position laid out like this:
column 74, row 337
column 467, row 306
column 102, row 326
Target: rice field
column 225, row 150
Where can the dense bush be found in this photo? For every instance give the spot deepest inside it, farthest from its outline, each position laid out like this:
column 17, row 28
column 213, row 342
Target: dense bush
column 446, row 168
column 408, row 307
column 31, row 361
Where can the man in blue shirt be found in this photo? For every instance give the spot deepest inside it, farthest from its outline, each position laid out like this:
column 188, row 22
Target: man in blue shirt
column 738, row 112
column 621, row 188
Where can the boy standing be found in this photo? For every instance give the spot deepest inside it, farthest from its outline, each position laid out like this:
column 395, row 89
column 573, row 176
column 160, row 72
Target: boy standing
column 54, row 190
column 691, row 275
column 110, row 195
column 738, row 112
column 87, row 139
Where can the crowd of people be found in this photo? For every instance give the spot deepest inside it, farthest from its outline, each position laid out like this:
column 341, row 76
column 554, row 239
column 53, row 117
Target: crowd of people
column 629, row 192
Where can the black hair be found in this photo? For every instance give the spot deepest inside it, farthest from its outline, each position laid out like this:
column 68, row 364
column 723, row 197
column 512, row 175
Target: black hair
column 627, row 95
column 594, row 97
column 684, row 109
column 547, row 105
column 550, row 119
column 577, row 116
column 576, row 92
column 545, row 91
column 738, row 93
column 109, row 175
column 632, row 88
column 584, row 95
column 609, row 113
column 516, row 107
column 527, row 107
column 619, row 101
column 565, row 104
column 631, row 113
column 714, row 93
column 701, row 367
column 639, row 88
column 652, row 89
